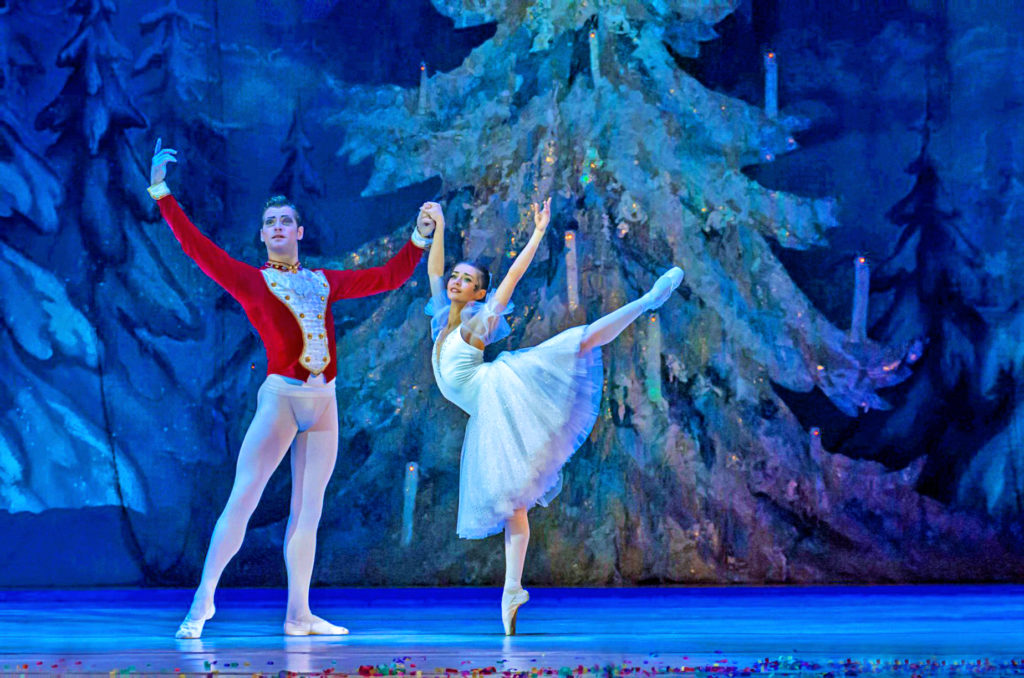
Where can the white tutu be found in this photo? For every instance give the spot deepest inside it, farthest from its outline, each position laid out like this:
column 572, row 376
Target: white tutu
column 536, row 406
column 529, row 411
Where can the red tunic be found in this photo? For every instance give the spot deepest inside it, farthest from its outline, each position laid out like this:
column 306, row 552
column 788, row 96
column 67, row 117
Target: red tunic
column 274, row 322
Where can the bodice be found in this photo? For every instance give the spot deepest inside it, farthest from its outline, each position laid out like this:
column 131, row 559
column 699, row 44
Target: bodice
column 459, row 370
column 305, row 294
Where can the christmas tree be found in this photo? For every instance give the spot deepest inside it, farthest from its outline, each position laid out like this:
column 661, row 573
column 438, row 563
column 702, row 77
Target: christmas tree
column 697, row 460
column 57, row 452
column 937, row 280
column 300, row 181
column 182, row 90
column 31, row 189
column 147, row 321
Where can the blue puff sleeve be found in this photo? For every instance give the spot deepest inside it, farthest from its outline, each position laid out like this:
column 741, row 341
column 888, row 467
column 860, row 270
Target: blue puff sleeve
column 481, row 321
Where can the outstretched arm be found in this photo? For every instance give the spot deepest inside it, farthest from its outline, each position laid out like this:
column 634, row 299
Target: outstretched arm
column 363, row 282
column 366, row 281
column 541, row 217
column 229, row 273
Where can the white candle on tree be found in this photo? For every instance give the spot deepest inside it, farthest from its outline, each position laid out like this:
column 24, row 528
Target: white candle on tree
column 771, row 85
column 652, row 347
column 817, row 451
column 412, row 479
column 571, row 271
column 421, row 104
column 595, row 57
column 861, row 289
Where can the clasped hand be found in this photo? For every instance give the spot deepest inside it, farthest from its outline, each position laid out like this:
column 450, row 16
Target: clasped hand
column 430, row 217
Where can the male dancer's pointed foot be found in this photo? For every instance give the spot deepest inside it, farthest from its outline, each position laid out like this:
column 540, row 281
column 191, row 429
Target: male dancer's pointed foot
column 192, row 626
column 312, row 626
column 663, row 288
column 511, row 600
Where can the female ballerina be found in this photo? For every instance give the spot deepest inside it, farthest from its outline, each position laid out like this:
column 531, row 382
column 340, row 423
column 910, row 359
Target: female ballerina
column 529, row 410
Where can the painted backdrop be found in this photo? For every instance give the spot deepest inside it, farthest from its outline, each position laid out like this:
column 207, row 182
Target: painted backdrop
column 834, row 394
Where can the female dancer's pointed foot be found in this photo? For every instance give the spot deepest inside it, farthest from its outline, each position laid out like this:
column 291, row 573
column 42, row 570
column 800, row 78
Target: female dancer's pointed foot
column 511, row 600
column 663, row 288
column 312, row 626
column 192, row 626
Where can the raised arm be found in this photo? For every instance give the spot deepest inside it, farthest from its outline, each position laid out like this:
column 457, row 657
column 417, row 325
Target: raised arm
column 541, row 217
column 435, row 261
column 231, row 274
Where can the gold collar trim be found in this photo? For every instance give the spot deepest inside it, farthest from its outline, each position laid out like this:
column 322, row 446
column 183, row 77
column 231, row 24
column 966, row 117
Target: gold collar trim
column 281, row 266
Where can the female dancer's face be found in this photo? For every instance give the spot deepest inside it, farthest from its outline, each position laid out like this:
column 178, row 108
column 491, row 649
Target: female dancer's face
column 464, row 284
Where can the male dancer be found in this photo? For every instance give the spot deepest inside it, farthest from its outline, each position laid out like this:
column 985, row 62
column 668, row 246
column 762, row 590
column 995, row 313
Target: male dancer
column 290, row 307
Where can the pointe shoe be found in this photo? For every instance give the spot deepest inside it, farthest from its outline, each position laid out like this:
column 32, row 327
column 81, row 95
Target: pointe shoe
column 313, row 627
column 510, row 603
column 190, row 628
column 664, row 287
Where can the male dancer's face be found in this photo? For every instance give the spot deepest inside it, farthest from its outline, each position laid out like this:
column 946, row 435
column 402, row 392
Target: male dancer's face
column 281, row 233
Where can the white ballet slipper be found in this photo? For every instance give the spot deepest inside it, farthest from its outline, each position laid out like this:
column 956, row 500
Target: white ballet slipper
column 190, row 628
column 511, row 601
column 313, row 627
column 663, row 288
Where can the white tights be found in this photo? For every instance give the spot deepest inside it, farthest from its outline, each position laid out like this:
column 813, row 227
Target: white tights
column 517, row 538
column 304, row 417
column 609, row 326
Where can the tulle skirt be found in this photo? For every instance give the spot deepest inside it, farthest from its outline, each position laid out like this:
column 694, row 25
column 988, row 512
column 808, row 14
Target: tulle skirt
column 536, row 407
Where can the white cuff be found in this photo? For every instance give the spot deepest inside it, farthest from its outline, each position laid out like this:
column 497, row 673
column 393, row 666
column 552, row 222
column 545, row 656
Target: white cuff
column 157, row 191
column 419, row 240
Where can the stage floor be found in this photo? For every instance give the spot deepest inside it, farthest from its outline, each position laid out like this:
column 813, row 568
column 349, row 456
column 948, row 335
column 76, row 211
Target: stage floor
column 782, row 631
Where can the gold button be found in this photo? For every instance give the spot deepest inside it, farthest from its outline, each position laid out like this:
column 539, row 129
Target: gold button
column 308, row 358
column 309, row 336
column 302, row 315
column 325, row 358
column 323, row 298
column 287, row 298
column 273, row 284
column 320, row 315
column 324, row 284
column 321, row 336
